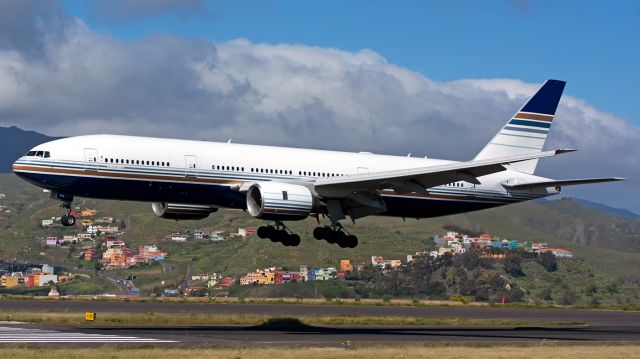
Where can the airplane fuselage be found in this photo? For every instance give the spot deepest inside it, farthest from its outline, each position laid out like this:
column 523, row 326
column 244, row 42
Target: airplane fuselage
column 209, row 173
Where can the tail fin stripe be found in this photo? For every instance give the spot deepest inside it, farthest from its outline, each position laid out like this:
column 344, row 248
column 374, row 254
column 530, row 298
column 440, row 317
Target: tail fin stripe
column 522, row 129
column 507, row 145
column 514, row 135
column 530, row 123
column 533, row 116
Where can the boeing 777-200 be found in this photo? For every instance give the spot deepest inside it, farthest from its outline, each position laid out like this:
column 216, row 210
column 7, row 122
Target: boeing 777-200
column 192, row 179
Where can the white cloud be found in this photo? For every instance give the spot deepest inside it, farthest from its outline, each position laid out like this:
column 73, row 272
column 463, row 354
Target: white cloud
column 293, row 95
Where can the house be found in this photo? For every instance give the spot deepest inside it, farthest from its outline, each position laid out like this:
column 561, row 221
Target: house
column 29, row 281
column 200, row 235
column 87, row 213
column 558, row 252
column 53, row 241
column 345, row 265
column 46, row 223
column 86, row 222
column 178, row 238
column 69, row 239
column 83, row 236
column 226, row 282
column 9, row 281
column 244, row 232
column 304, row 273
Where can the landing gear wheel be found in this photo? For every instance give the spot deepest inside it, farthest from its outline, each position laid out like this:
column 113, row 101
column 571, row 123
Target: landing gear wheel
column 351, row 241
column 294, row 240
column 68, row 220
column 265, row 232
column 320, row 232
column 331, row 236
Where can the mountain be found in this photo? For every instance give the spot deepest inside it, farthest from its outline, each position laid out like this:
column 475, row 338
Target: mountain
column 15, row 142
column 620, row 212
column 607, row 242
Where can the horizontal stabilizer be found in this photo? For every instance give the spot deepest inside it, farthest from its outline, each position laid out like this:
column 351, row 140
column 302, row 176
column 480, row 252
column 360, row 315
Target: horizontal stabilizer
column 560, row 183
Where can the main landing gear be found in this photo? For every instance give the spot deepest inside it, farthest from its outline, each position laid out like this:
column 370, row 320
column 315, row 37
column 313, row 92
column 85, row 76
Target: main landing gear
column 279, row 233
column 67, row 220
column 337, row 235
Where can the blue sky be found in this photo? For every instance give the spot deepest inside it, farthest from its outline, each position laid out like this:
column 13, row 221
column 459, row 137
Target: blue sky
column 435, row 78
column 593, row 45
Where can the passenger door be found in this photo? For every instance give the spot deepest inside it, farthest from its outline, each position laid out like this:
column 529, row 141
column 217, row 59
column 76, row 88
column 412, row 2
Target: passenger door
column 191, row 165
column 90, row 159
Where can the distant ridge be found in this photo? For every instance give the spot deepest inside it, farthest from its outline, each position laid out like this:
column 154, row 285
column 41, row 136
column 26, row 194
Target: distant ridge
column 620, row 212
column 15, row 142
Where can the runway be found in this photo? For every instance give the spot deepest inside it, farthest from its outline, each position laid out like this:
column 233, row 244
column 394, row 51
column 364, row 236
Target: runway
column 602, row 326
column 308, row 335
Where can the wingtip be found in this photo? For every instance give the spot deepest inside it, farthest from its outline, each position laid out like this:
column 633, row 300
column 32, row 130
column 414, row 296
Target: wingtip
column 560, row 151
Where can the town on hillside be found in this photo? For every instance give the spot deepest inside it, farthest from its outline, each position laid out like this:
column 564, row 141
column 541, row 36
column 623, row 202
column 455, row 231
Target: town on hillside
column 101, row 243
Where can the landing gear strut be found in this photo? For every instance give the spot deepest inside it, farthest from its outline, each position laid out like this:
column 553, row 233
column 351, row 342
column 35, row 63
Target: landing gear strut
column 337, row 235
column 67, row 220
column 279, row 233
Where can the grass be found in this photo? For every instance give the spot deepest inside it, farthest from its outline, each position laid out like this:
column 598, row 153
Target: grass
column 193, row 318
column 440, row 352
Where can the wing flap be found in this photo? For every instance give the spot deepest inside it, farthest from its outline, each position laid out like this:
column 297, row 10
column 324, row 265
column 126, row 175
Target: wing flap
column 560, row 183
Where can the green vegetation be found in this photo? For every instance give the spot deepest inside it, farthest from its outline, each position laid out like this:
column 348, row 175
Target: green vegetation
column 604, row 272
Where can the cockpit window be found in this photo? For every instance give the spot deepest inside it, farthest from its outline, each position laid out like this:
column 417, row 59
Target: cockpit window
column 39, row 153
column 47, row 154
column 31, row 153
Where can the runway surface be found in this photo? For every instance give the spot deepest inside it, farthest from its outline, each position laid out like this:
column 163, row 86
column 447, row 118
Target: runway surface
column 603, row 326
column 307, row 335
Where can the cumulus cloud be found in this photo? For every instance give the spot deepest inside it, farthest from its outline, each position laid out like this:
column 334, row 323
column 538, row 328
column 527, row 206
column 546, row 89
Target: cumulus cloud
column 292, row 95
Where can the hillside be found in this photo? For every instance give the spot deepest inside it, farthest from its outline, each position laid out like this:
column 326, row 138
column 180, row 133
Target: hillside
column 608, row 242
column 15, row 142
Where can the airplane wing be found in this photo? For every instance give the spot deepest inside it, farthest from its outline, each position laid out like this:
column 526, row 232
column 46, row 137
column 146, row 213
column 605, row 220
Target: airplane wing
column 419, row 179
column 560, row 183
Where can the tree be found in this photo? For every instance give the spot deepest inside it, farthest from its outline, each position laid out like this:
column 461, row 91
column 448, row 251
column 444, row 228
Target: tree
column 545, row 294
column 471, row 260
column 513, row 264
column 568, row 297
column 548, row 261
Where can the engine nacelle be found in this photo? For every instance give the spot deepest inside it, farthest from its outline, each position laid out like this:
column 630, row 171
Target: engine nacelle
column 280, row 201
column 180, row 211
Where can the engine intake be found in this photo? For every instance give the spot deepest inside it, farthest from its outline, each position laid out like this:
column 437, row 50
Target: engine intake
column 280, row 201
column 181, row 211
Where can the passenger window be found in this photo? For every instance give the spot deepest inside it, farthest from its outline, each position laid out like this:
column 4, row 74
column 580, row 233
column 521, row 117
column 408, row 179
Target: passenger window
column 167, row 164
column 162, row 164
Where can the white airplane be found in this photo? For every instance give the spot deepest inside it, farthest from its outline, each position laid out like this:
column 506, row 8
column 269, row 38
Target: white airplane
column 192, row 179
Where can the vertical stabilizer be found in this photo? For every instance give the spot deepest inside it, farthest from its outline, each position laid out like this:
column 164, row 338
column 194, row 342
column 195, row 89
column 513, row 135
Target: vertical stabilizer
column 527, row 130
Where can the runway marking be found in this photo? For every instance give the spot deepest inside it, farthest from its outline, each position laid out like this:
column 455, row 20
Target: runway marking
column 29, row 335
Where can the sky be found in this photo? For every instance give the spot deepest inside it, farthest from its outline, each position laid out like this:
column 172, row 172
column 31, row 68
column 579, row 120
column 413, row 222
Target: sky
column 434, row 78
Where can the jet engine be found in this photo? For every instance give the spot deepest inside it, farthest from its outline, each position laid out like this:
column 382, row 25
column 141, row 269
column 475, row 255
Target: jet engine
column 279, row 201
column 181, row 211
